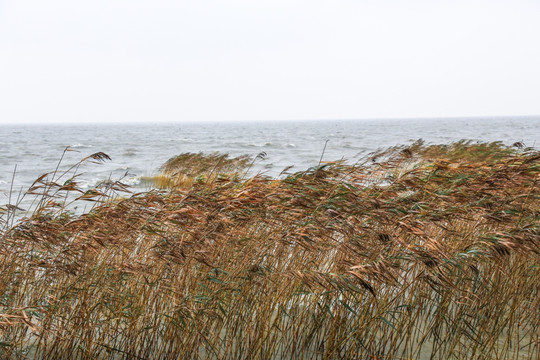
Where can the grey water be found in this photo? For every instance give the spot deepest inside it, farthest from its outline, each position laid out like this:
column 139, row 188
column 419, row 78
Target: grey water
column 139, row 150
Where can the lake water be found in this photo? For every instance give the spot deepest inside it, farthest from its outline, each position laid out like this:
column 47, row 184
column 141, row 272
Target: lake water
column 140, row 149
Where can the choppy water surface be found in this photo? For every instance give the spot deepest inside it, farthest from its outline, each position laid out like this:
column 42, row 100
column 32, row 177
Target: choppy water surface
column 140, row 149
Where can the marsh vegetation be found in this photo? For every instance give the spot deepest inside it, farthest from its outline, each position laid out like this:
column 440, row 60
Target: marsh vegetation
column 413, row 252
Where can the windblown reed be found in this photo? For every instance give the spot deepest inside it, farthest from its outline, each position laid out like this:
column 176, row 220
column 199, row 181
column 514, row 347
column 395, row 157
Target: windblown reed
column 415, row 252
column 183, row 170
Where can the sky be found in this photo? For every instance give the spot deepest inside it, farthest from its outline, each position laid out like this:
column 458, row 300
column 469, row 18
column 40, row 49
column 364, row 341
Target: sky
column 211, row 60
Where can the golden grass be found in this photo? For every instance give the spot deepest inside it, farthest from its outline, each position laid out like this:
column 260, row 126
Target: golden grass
column 418, row 252
column 183, row 170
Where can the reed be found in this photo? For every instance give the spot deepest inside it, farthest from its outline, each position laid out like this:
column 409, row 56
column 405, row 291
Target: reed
column 429, row 252
column 183, row 170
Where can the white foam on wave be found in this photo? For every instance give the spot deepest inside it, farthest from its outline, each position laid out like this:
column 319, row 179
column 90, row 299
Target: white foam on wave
column 132, row 181
column 266, row 144
column 80, row 146
column 89, row 184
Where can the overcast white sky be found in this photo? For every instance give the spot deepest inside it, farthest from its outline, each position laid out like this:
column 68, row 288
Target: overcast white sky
column 158, row 60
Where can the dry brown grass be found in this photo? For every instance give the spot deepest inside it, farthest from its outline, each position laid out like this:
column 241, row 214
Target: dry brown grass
column 419, row 252
column 185, row 169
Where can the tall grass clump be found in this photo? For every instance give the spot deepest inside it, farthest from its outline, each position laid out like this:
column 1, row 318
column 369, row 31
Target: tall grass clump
column 183, row 170
column 419, row 252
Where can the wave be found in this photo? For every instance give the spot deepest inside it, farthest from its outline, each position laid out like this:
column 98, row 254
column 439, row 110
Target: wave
column 80, row 146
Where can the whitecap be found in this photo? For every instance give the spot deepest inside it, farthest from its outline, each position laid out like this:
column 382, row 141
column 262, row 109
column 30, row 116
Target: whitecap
column 79, row 146
column 89, row 184
column 132, row 181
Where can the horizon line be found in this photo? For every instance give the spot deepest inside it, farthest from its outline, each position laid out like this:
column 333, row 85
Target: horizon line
column 191, row 122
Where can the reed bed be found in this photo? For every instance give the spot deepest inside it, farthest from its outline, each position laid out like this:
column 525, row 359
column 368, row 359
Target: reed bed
column 419, row 252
